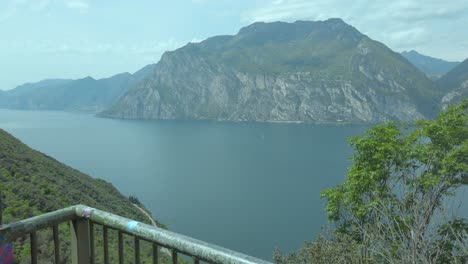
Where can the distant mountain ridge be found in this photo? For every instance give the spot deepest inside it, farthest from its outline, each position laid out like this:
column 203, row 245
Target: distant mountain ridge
column 313, row 72
column 454, row 84
column 434, row 68
column 86, row 94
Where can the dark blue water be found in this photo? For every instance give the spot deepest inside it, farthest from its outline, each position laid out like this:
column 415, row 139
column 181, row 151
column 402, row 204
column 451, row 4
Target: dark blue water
column 246, row 186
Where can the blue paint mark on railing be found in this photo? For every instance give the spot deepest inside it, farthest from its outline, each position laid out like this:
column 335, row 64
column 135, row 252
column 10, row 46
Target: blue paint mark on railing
column 131, row 225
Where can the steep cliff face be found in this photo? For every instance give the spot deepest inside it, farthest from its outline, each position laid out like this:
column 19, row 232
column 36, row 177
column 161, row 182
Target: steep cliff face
column 455, row 95
column 455, row 84
column 316, row 72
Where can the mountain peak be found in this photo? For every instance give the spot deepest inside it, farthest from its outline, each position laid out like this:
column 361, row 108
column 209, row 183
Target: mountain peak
column 304, row 71
column 335, row 20
column 88, row 78
column 432, row 67
column 299, row 25
column 411, row 52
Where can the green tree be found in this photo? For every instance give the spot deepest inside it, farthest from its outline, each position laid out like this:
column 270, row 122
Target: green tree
column 392, row 202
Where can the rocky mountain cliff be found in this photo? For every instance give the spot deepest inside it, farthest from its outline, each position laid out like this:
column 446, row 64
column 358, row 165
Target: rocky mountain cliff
column 454, row 84
column 434, row 68
column 85, row 94
column 314, row 72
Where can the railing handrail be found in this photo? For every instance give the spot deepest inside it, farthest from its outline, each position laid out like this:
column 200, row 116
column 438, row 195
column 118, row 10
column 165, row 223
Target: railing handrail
column 26, row 226
column 180, row 243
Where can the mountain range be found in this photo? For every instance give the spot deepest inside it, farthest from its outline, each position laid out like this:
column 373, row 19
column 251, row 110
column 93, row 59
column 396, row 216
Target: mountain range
column 311, row 72
column 432, row 67
column 86, row 94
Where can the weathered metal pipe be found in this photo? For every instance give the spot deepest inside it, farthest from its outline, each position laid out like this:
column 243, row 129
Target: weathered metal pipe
column 27, row 226
column 181, row 243
column 160, row 237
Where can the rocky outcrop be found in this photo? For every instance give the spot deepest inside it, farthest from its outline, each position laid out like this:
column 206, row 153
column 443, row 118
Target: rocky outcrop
column 455, row 96
column 454, row 84
column 314, row 72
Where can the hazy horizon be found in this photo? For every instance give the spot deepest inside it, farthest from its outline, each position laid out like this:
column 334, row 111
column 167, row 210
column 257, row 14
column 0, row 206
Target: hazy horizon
column 239, row 131
column 72, row 39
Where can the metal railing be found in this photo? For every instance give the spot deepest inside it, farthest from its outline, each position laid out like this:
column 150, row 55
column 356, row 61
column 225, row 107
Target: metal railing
column 83, row 220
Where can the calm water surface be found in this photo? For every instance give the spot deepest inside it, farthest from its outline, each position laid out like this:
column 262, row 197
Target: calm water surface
column 246, row 186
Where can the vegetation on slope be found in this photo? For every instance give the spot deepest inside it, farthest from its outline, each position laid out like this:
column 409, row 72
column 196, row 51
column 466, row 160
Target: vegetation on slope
column 392, row 206
column 328, row 48
column 432, row 67
column 454, row 78
column 316, row 72
column 454, row 84
column 32, row 183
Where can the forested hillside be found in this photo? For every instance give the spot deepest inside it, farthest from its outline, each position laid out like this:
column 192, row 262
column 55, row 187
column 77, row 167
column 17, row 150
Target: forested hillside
column 32, row 183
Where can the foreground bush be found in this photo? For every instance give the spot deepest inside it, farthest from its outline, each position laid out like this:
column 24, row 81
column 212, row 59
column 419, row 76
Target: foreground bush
column 392, row 206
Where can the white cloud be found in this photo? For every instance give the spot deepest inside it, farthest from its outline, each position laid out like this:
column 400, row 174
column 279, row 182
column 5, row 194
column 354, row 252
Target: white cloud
column 409, row 36
column 201, row 1
column 85, row 47
column 8, row 13
column 40, row 5
column 407, row 10
column 430, row 26
column 12, row 8
column 81, row 6
column 196, row 40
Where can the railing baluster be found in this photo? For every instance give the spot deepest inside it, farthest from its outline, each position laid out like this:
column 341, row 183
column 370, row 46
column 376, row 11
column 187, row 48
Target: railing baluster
column 83, row 242
column 155, row 254
column 80, row 241
column 91, row 243
column 174, row 256
column 106, row 245
column 55, row 232
column 121, row 253
column 33, row 237
column 137, row 250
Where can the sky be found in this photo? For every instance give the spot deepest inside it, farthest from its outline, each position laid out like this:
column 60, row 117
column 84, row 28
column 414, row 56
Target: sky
column 43, row 39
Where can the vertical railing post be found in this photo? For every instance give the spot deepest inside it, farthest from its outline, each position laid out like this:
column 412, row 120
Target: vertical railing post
column 106, row 245
column 91, row 243
column 137, row 250
column 174, row 256
column 155, row 254
column 1, row 208
column 55, row 231
column 120, row 248
column 33, row 237
column 80, row 241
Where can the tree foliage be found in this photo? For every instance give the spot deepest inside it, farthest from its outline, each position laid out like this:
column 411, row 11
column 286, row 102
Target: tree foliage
column 326, row 249
column 392, row 202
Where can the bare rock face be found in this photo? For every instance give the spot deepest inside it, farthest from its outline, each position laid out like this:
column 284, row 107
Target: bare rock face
column 455, row 95
column 313, row 72
column 455, row 84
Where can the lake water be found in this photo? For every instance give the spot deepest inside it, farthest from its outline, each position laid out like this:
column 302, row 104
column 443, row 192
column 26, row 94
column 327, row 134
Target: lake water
column 249, row 187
